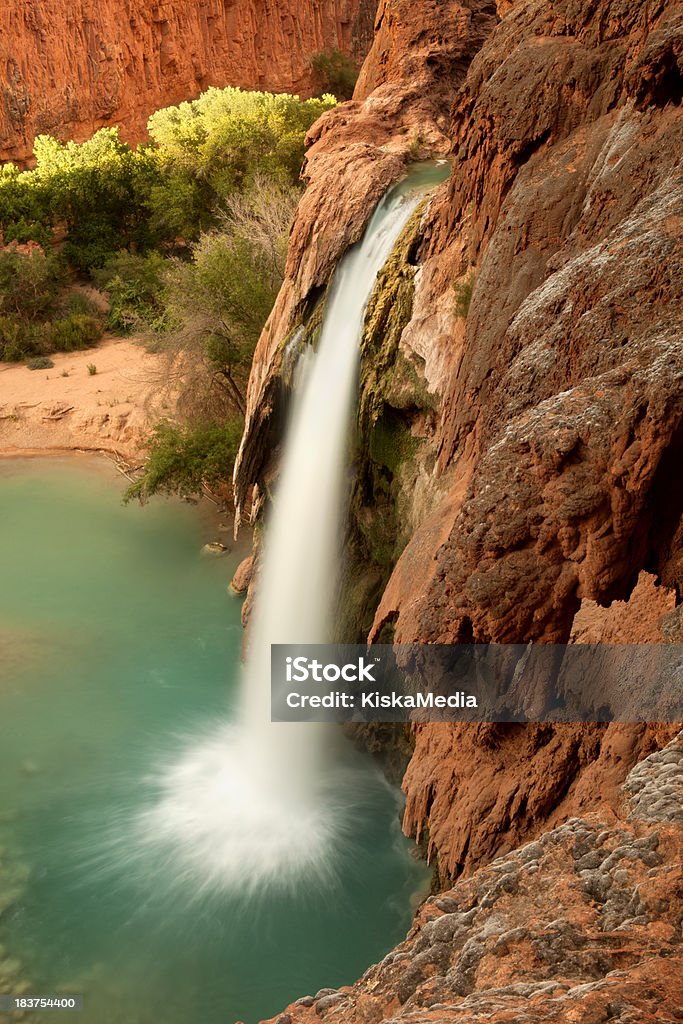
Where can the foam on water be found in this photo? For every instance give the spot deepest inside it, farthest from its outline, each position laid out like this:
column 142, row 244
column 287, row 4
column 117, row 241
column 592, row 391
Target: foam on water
column 226, row 822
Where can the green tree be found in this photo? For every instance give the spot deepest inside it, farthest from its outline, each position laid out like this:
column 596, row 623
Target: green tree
column 336, row 73
column 182, row 460
column 221, row 299
column 226, row 137
column 137, row 291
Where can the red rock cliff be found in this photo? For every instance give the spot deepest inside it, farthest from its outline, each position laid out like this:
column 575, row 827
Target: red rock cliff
column 549, row 481
column 71, row 68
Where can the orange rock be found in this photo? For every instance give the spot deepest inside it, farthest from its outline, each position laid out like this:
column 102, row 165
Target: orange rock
column 561, row 420
column 243, row 575
column 580, row 925
column 73, row 68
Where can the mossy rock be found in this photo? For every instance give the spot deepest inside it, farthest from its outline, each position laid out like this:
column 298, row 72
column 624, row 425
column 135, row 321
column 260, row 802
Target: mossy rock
column 391, row 443
column 392, row 390
column 304, row 332
column 389, row 312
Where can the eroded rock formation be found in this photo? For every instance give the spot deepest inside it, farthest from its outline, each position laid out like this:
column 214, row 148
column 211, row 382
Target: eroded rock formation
column 519, row 456
column 69, row 69
column 399, row 113
column 583, row 924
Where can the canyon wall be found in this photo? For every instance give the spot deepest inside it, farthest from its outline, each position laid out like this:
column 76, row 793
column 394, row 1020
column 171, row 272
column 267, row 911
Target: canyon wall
column 71, row 68
column 518, row 464
column 521, row 414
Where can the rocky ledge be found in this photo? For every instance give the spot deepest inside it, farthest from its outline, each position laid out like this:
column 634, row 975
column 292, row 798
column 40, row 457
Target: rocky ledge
column 521, row 379
column 583, row 924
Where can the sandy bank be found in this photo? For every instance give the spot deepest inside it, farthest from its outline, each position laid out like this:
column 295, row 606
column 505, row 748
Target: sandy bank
column 67, row 408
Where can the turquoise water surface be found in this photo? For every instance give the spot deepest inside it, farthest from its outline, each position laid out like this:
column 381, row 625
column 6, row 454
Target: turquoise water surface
column 116, row 639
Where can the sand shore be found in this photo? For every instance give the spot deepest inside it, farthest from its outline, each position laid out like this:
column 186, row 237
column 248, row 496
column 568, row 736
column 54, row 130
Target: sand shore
column 66, row 408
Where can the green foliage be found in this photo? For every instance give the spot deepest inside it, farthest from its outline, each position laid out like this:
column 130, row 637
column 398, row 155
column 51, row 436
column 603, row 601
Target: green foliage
column 336, row 73
column 226, row 137
column 18, row 340
column 103, row 196
column 136, row 287
column 73, row 333
column 220, row 300
column 34, row 317
column 79, row 302
column 463, row 295
column 23, row 231
column 97, row 189
column 29, row 283
column 183, row 459
column 92, row 369
column 40, row 363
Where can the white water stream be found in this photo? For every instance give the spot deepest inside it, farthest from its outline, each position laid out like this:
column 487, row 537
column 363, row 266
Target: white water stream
column 256, row 802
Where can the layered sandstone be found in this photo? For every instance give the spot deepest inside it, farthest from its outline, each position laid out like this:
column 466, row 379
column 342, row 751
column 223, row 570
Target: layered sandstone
column 70, row 69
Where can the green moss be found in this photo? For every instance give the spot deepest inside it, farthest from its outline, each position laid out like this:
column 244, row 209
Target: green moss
column 392, row 390
column 391, row 443
column 406, row 388
column 389, row 312
column 463, row 295
column 304, row 331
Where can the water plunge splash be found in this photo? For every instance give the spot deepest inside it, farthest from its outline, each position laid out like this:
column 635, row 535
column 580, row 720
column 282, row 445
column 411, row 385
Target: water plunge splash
column 258, row 803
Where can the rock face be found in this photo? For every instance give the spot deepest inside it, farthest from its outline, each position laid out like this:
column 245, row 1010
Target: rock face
column 70, row 69
column 527, row 392
column 560, row 416
column 563, row 384
column 243, row 576
column 399, row 113
column 582, row 924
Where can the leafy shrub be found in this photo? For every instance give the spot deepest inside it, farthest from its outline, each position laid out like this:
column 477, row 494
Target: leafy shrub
column 18, row 340
column 23, row 231
column 183, row 459
column 136, row 290
column 29, row 283
column 29, row 288
column 220, row 300
column 74, row 332
column 40, row 363
column 336, row 73
column 79, row 303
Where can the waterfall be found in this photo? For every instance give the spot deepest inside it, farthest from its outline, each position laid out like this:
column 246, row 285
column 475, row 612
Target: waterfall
column 256, row 802
column 297, row 586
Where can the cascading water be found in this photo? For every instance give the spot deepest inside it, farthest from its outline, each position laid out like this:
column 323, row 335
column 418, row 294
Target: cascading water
column 256, row 802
